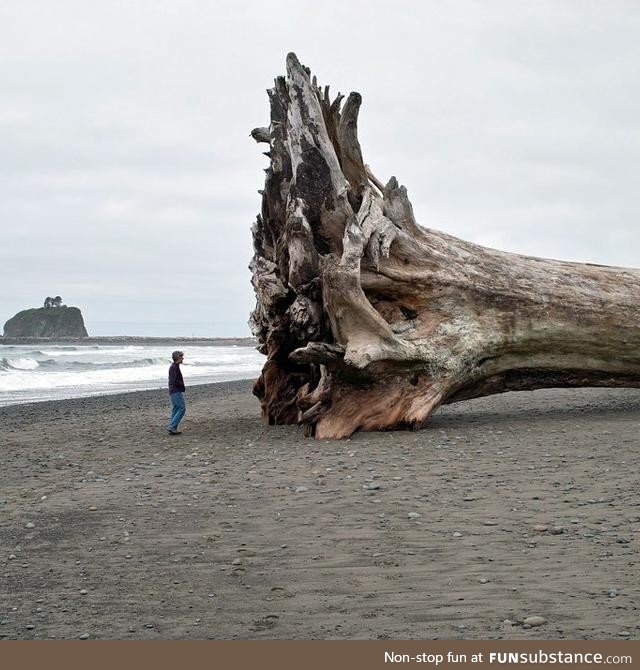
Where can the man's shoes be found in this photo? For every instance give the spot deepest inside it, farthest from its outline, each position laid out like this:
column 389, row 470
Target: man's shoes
column 174, row 432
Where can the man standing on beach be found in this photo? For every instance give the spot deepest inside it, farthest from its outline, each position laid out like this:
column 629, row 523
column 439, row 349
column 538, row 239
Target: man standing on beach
column 176, row 393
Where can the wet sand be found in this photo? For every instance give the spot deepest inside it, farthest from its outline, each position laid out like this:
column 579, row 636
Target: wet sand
column 504, row 508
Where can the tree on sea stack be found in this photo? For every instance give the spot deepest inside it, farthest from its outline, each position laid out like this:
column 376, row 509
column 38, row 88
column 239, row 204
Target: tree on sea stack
column 370, row 321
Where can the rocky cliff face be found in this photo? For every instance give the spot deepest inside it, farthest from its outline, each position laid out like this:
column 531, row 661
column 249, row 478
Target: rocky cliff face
column 52, row 322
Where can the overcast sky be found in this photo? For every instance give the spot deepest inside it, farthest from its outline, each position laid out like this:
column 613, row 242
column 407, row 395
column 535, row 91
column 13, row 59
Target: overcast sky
column 128, row 180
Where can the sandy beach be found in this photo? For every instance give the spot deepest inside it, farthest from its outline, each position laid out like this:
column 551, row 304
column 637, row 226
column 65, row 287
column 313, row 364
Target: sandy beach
column 504, row 508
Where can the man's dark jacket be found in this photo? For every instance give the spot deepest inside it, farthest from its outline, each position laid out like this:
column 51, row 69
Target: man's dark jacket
column 176, row 383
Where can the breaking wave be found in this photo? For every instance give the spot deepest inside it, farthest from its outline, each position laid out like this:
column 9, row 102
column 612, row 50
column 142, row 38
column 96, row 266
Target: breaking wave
column 53, row 372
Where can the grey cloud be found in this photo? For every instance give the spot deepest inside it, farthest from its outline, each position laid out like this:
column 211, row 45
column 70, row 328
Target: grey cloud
column 127, row 174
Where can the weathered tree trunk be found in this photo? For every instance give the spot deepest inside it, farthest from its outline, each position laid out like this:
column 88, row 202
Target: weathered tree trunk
column 370, row 321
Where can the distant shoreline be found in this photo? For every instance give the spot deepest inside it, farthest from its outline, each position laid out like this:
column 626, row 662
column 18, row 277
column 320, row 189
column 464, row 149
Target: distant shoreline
column 130, row 339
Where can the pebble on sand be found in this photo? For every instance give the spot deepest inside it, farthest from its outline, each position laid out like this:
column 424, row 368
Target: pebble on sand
column 414, row 515
column 534, row 621
column 30, row 525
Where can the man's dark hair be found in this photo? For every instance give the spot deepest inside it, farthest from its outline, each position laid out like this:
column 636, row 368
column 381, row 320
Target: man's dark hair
column 176, row 355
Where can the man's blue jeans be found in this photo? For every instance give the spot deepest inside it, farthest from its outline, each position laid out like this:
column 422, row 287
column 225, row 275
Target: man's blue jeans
column 177, row 411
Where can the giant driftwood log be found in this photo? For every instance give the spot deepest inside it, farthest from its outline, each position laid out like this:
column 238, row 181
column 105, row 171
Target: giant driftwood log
column 370, row 321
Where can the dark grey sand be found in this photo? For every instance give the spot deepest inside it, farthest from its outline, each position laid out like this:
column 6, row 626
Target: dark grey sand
column 504, row 508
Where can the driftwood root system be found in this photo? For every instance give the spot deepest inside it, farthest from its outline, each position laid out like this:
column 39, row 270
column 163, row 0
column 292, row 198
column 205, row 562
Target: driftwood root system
column 370, row 321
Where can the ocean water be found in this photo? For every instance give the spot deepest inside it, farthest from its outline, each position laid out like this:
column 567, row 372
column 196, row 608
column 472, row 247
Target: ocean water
column 33, row 373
